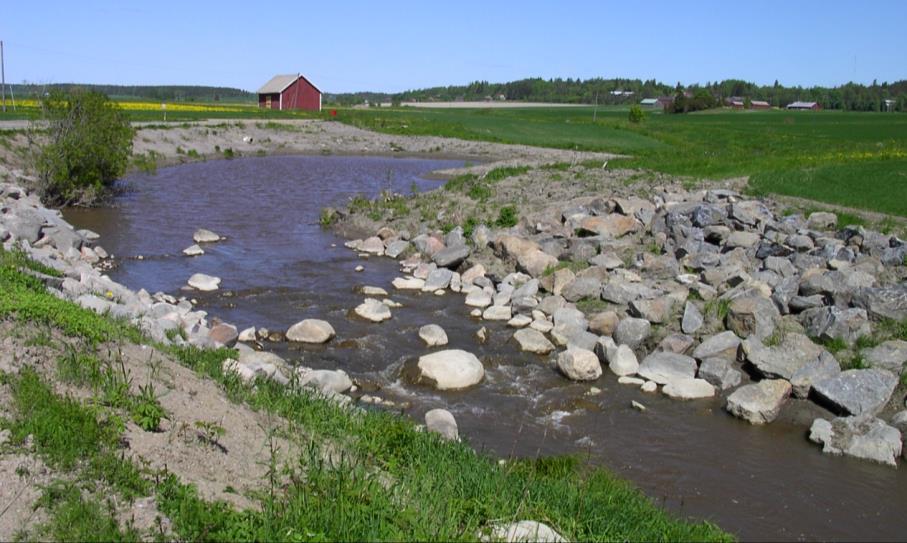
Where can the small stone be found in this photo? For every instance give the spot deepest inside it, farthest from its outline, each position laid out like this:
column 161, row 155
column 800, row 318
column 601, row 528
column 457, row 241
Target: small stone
column 373, row 310
column 359, row 268
column 203, row 235
column 627, row 380
column 637, row 406
column 442, row 422
column 193, row 250
column 649, row 386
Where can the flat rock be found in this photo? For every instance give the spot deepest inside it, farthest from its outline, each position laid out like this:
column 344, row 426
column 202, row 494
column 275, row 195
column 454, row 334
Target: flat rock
column 579, row 364
column 433, row 335
column 663, row 367
column 311, row 331
column 373, row 246
column 203, row 235
column 533, row 341
column 396, row 248
column 478, row 298
column 857, row 392
column 689, row 389
column 373, row 310
column 373, row 291
column 784, row 359
column 830, row 323
column 723, row 345
column 437, row 279
column 759, row 403
column 408, row 283
column 451, row 369
column 204, row 283
column 865, row 437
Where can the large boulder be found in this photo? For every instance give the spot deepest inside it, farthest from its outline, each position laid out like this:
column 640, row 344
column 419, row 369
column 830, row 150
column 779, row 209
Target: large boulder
column 622, row 361
column 579, row 364
column 452, row 369
column 759, row 403
column 830, row 323
column 311, row 331
column 863, row 437
column 437, row 279
column 692, row 319
column 532, row 341
column 782, row 360
column 581, row 287
column 451, row 257
column 857, row 392
column 887, row 302
column 610, row 226
column 752, row 316
column 663, row 367
column 223, row 334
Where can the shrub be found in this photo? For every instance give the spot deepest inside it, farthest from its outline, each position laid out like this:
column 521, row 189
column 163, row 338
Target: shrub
column 88, row 147
column 507, row 217
column 636, row 114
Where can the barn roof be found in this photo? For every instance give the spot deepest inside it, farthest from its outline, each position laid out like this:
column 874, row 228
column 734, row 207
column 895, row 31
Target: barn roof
column 279, row 83
column 802, row 104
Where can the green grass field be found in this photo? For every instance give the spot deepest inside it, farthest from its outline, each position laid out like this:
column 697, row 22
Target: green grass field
column 845, row 158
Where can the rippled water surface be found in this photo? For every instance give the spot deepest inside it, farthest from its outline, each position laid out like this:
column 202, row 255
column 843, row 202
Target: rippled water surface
column 280, row 267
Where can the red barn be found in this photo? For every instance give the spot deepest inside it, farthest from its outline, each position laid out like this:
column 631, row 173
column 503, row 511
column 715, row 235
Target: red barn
column 289, row 92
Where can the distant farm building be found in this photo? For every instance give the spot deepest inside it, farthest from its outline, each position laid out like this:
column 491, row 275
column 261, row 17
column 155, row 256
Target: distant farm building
column 760, row 104
column 804, row 106
column 291, row 91
column 663, row 102
column 649, row 102
column 737, row 102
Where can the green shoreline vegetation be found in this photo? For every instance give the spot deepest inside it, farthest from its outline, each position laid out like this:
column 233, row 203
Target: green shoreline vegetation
column 392, row 483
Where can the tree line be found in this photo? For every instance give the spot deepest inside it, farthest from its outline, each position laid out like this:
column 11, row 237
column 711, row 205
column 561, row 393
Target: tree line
column 850, row 96
column 162, row 93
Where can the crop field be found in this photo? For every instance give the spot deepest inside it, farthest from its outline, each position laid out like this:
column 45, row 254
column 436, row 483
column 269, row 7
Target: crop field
column 845, row 158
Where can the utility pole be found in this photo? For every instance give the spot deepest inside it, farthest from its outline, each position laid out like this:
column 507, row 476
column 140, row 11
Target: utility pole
column 2, row 77
column 595, row 111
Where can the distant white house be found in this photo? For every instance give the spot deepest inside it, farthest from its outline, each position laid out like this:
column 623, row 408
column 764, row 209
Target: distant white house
column 649, row 102
column 621, row 93
column 804, row 105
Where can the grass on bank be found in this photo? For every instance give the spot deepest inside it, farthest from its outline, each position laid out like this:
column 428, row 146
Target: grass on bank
column 849, row 158
column 394, row 482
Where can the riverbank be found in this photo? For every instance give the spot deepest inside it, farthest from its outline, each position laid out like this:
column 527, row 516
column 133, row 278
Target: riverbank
column 114, row 405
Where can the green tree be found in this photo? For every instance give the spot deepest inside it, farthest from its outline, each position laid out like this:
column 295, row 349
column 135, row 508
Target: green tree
column 89, row 141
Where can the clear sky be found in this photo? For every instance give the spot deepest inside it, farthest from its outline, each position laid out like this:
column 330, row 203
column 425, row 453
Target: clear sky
column 397, row 45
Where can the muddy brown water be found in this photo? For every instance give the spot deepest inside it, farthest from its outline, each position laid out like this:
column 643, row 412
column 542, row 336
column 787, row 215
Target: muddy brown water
column 280, row 267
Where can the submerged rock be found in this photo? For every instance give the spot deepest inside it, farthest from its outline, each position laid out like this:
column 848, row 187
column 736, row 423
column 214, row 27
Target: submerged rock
column 373, row 310
column 203, row 235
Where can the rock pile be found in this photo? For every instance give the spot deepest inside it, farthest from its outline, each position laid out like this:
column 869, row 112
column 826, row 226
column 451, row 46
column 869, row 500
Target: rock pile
column 714, row 293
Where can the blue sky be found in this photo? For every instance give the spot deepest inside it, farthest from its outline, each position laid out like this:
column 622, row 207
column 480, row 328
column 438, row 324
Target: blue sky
column 393, row 46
